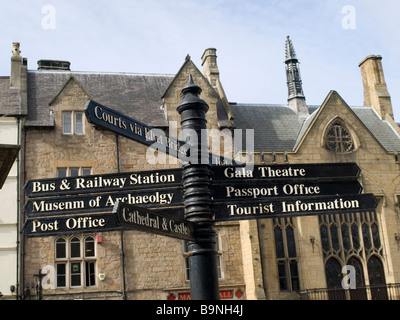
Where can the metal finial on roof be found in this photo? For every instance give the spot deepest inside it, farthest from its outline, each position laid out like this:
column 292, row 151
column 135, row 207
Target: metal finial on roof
column 290, row 53
column 295, row 87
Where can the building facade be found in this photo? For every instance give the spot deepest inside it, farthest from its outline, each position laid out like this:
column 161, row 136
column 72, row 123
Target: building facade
column 12, row 111
column 281, row 258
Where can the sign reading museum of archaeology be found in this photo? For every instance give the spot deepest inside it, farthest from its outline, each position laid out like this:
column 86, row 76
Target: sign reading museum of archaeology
column 102, row 202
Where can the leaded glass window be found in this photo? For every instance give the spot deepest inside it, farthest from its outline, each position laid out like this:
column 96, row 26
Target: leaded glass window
column 351, row 239
column 285, row 248
column 338, row 138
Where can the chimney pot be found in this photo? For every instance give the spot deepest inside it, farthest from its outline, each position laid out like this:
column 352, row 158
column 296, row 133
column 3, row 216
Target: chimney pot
column 54, row 65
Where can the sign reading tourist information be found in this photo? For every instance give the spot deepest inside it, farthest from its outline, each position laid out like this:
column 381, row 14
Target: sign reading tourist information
column 134, row 217
column 294, row 207
column 103, row 183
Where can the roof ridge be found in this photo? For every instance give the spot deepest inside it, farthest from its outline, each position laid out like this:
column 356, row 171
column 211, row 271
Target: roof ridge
column 101, row 72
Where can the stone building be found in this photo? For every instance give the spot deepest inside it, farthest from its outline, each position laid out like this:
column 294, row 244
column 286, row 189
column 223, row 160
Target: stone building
column 12, row 110
column 280, row 258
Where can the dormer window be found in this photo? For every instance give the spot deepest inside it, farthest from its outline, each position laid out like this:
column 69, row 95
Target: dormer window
column 338, row 138
column 73, row 123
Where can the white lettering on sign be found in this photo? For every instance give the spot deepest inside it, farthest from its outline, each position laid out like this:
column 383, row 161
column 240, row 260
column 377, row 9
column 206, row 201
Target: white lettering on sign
column 250, row 210
column 273, row 191
column 288, row 172
column 151, row 178
column 41, row 226
column 153, row 221
column 300, row 206
column 38, row 186
column 161, row 198
column 72, row 223
column 264, row 172
column 85, row 222
column 43, row 206
column 250, row 192
column 109, row 118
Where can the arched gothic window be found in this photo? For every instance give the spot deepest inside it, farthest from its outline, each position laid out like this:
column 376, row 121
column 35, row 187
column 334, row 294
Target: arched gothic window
column 338, row 138
column 353, row 239
column 286, row 256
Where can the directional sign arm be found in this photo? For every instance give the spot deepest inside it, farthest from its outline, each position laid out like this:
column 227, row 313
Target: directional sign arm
column 135, row 217
column 294, row 207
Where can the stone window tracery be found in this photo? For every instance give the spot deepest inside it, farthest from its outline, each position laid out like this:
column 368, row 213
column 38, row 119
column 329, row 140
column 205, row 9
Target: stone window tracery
column 338, row 138
column 352, row 239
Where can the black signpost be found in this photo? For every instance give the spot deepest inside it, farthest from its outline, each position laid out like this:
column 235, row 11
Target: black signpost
column 185, row 203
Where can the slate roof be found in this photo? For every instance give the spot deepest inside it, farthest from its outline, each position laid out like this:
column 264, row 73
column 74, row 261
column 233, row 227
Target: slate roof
column 10, row 102
column 136, row 95
column 278, row 128
column 381, row 129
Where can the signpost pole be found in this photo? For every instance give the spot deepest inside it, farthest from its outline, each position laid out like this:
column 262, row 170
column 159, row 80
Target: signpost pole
column 197, row 196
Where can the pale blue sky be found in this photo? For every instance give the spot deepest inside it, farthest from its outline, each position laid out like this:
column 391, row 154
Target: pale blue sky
column 154, row 36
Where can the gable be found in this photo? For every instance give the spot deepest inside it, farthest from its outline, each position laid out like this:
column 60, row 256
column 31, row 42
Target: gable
column 172, row 95
column 70, row 88
column 136, row 95
column 366, row 128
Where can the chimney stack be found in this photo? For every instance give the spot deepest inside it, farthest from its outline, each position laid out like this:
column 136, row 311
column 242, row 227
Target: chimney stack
column 210, row 67
column 16, row 66
column 211, row 72
column 376, row 93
